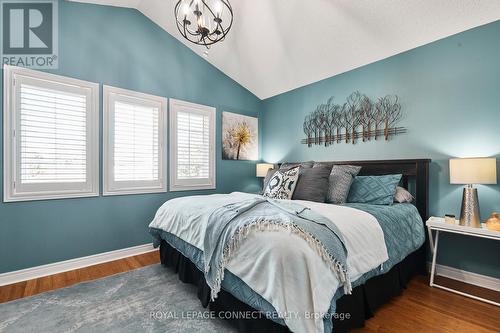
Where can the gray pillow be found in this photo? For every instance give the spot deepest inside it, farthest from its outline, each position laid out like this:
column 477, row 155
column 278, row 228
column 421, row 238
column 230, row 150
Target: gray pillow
column 402, row 195
column 303, row 165
column 312, row 184
column 340, row 182
column 323, row 164
column 269, row 174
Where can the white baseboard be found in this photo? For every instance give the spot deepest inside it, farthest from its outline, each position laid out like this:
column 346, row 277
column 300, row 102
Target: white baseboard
column 68, row 265
column 479, row 280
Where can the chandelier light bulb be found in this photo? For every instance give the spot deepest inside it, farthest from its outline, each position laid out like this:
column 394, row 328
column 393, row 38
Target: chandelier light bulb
column 218, row 8
column 185, row 9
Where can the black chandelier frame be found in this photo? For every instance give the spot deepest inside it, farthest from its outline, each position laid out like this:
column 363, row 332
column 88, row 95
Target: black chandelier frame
column 203, row 35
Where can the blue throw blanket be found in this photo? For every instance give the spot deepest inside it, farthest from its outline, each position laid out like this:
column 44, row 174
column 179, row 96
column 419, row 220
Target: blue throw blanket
column 229, row 225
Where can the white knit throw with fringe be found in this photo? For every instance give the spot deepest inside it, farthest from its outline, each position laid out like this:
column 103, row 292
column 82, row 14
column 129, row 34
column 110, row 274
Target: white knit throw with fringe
column 263, row 224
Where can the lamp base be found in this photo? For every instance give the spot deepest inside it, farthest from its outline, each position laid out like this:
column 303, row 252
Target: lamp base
column 469, row 215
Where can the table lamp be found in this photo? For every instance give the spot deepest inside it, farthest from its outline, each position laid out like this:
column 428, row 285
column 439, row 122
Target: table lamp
column 262, row 168
column 470, row 171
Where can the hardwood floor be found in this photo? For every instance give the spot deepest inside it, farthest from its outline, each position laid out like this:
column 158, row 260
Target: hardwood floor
column 424, row 309
column 420, row 309
column 56, row 281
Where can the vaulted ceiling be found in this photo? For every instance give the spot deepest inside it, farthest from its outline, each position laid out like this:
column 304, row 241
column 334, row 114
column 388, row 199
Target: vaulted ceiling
column 278, row 45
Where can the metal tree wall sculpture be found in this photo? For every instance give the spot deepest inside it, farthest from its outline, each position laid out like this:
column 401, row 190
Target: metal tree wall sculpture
column 358, row 118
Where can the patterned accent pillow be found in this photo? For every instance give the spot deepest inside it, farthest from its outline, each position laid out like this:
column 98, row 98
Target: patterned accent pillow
column 282, row 184
column 375, row 190
column 402, row 195
column 340, row 182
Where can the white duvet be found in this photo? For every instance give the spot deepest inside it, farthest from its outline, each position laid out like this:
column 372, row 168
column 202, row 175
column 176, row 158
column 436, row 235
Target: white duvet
column 281, row 266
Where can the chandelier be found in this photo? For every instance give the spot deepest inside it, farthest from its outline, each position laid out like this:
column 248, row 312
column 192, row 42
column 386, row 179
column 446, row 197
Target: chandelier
column 204, row 22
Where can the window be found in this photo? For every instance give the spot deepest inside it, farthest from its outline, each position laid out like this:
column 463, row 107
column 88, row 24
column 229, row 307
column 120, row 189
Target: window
column 192, row 152
column 133, row 142
column 51, row 134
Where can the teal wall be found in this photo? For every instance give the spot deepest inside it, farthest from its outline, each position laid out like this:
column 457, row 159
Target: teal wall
column 450, row 90
column 119, row 47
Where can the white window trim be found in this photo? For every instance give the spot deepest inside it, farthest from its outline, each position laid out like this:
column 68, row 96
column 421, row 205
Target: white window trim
column 133, row 187
column 11, row 75
column 198, row 184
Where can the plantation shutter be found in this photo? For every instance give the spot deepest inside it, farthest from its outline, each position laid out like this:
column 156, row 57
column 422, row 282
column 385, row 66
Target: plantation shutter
column 133, row 140
column 192, row 151
column 53, row 136
column 193, row 145
column 51, row 131
column 136, row 142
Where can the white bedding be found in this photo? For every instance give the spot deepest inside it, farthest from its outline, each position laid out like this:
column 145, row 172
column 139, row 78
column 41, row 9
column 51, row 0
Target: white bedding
column 281, row 266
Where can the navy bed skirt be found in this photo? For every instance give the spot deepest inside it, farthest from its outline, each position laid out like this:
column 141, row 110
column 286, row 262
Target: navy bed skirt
column 361, row 304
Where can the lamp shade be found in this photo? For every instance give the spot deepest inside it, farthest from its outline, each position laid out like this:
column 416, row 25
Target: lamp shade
column 261, row 169
column 473, row 171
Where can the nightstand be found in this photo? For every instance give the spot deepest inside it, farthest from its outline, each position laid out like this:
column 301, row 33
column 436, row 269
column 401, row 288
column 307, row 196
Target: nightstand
column 438, row 225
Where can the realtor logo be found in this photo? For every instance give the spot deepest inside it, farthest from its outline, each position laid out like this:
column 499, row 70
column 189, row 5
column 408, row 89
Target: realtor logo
column 29, row 33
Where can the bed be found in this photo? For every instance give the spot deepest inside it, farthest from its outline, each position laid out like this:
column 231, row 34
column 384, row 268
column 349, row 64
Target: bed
column 402, row 228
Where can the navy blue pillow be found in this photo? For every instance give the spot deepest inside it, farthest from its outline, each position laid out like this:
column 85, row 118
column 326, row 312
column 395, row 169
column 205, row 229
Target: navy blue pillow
column 375, row 190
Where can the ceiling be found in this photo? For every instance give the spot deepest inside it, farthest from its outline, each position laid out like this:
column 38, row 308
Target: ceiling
column 278, row 45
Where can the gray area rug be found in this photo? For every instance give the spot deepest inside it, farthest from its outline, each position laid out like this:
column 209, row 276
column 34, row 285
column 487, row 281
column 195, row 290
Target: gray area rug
column 149, row 299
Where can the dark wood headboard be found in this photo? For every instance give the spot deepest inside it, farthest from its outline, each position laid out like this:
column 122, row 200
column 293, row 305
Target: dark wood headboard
column 416, row 169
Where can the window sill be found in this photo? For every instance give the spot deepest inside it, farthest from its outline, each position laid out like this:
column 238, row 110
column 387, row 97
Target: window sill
column 179, row 188
column 20, row 198
column 133, row 191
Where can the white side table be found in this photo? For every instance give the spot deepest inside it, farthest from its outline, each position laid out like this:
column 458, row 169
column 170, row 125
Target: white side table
column 438, row 225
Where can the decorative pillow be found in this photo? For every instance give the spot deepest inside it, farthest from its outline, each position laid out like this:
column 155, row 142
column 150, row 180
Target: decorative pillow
column 269, row 174
column 282, row 184
column 340, row 182
column 323, row 164
column 376, row 190
column 402, row 195
column 312, row 184
column 303, row 165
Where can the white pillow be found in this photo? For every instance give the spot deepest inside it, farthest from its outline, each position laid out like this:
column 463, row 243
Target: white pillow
column 402, row 195
column 282, row 184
